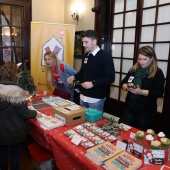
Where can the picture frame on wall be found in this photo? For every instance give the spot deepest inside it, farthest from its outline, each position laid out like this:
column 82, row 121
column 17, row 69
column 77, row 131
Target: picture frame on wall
column 78, row 47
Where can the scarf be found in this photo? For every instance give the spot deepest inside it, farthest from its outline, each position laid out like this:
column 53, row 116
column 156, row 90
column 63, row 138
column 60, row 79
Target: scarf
column 135, row 99
column 139, row 74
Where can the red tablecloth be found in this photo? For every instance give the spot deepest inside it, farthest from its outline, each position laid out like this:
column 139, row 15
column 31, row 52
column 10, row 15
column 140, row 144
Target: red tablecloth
column 66, row 154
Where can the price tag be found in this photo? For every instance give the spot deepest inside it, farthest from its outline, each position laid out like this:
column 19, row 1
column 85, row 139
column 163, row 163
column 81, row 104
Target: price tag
column 121, row 145
column 45, row 92
column 132, row 135
column 76, row 139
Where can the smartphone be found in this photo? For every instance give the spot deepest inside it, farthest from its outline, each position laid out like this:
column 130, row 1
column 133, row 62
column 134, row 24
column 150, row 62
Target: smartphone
column 133, row 87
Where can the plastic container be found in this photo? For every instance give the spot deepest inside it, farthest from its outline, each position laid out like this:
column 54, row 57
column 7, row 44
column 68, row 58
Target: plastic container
column 93, row 115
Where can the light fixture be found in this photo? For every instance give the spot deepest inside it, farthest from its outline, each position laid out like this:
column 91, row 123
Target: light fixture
column 75, row 16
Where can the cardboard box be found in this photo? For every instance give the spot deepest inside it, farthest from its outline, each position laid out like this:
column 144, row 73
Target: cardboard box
column 70, row 115
column 93, row 115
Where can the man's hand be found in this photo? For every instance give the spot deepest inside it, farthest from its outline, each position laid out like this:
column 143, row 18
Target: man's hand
column 87, row 85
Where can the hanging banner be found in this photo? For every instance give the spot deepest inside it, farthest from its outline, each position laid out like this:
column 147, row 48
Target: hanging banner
column 50, row 37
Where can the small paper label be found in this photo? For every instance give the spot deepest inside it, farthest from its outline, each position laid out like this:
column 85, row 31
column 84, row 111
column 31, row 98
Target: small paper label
column 130, row 79
column 45, row 92
column 121, row 145
column 76, row 139
column 132, row 135
column 124, row 126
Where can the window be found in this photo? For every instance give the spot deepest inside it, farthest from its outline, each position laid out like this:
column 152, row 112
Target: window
column 78, row 47
column 15, row 33
column 136, row 23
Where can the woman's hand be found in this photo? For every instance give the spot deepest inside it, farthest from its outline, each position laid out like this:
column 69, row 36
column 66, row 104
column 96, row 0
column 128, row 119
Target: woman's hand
column 128, row 86
column 70, row 80
column 38, row 115
column 132, row 88
column 136, row 91
column 139, row 91
column 131, row 85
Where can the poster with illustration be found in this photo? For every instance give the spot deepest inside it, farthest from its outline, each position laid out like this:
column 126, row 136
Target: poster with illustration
column 154, row 156
column 58, row 38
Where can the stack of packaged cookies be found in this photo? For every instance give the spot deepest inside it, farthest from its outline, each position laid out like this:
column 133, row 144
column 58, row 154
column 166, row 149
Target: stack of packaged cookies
column 140, row 137
column 155, row 144
column 150, row 133
column 165, row 143
column 160, row 142
column 150, row 140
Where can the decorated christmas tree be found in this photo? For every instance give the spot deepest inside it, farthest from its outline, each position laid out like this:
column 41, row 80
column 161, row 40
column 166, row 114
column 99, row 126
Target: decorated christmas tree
column 27, row 81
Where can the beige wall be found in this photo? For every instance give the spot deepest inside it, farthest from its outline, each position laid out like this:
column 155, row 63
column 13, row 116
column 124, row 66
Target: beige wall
column 86, row 16
column 59, row 11
column 51, row 11
column 86, row 19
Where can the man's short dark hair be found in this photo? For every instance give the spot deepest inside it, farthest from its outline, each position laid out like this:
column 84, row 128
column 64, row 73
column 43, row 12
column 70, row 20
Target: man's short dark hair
column 90, row 34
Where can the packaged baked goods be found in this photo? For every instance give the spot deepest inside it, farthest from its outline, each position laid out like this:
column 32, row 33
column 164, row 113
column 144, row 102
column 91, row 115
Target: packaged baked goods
column 150, row 132
column 165, row 142
column 149, row 137
column 140, row 135
column 155, row 144
column 161, row 135
column 148, row 140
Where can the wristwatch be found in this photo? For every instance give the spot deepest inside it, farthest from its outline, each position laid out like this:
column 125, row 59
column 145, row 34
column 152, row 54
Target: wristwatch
column 93, row 82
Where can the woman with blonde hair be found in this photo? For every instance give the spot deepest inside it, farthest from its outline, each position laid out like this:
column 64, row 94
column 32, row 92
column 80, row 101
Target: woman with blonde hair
column 57, row 72
column 14, row 114
column 144, row 83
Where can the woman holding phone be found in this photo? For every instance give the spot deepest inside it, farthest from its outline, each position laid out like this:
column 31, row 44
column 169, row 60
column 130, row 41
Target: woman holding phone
column 144, row 83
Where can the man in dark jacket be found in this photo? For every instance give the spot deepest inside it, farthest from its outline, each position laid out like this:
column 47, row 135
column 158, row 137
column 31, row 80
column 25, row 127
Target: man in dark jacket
column 96, row 72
